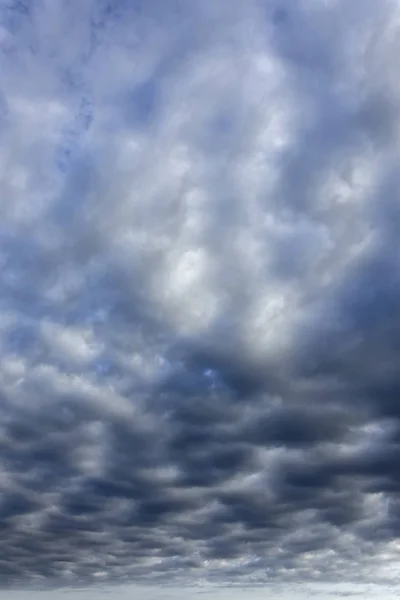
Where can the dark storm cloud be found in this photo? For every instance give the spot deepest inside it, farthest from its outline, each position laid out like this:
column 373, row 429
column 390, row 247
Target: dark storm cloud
column 199, row 293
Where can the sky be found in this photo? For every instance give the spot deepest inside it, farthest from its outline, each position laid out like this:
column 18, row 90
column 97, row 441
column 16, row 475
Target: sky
column 199, row 299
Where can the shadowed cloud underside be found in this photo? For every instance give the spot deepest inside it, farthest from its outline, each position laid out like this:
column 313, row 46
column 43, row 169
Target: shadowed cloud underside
column 199, row 292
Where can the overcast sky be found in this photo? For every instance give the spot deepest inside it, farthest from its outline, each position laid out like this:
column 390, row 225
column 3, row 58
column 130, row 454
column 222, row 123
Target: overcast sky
column 199, row 298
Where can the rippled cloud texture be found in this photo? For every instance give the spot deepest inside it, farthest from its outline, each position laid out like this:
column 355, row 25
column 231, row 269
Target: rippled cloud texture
column 199, row 292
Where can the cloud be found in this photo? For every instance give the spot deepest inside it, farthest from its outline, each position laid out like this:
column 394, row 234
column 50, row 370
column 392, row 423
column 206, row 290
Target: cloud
column 198, row 308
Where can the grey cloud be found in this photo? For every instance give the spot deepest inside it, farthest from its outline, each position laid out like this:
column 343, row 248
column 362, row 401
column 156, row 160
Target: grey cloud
column 198, row 312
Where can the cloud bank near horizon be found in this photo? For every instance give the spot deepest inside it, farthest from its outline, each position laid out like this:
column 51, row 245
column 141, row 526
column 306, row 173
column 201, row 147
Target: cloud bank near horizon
column 199, row 292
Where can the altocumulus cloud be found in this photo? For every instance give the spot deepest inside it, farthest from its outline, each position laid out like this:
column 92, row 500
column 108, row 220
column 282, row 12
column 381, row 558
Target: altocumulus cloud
column 199, row 307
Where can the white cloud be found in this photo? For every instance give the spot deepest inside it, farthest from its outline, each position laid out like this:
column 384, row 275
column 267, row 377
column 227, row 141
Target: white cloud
column 216, row 175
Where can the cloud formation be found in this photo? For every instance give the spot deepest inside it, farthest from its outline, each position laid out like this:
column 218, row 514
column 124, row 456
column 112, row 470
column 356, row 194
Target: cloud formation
column 199, row 292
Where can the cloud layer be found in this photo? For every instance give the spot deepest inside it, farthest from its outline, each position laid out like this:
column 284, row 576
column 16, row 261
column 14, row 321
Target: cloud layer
column 199, row 292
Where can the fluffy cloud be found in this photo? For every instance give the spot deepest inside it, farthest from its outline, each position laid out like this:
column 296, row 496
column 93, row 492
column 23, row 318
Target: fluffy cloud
column 199, row 292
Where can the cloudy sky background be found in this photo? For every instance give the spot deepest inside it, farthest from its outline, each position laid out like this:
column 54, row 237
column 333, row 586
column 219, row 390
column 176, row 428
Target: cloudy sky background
column 199, row 297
